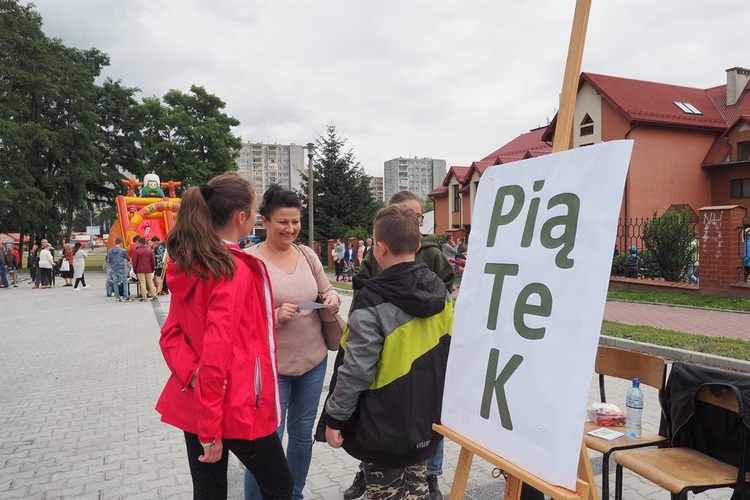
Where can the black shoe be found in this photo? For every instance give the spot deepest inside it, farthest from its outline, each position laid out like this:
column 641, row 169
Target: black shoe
column 432, row 483
column 357, row 489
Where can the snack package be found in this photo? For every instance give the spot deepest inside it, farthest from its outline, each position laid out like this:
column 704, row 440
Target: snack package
column 606, row 415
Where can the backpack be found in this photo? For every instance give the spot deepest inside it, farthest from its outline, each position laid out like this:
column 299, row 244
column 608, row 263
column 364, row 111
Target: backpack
column 633, row 260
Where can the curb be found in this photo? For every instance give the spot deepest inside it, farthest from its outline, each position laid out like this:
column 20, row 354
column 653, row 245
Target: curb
column 675, row 354
column 697, row 308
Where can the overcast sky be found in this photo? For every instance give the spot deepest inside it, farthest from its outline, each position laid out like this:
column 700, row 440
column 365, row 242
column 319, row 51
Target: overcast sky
column 429, row 78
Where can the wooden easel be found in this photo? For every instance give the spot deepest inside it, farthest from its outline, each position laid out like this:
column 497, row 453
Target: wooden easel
column 516, row 475
column 585, row 484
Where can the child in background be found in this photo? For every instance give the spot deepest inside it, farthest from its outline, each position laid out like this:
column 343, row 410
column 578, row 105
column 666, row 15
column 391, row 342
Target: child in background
column 634, row 263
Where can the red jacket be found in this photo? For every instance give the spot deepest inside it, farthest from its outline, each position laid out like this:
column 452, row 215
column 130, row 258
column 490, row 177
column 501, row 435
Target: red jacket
column 225, row 328
column 144, row 260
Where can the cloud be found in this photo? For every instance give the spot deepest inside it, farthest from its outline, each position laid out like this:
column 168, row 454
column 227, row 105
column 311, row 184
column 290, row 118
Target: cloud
column 451, row 80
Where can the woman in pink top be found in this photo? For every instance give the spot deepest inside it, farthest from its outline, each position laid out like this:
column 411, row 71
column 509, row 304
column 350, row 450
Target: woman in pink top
column 302, row 351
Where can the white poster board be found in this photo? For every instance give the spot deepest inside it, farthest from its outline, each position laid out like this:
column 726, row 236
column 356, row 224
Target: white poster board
column 531, row 305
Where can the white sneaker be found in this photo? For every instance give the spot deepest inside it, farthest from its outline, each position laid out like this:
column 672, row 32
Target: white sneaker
column 76, row 289
column 85, row 286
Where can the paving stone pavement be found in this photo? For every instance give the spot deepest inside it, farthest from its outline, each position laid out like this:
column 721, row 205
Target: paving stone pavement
column 80, row 374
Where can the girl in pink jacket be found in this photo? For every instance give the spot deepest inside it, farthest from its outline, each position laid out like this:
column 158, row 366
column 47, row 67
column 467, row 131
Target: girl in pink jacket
column 220, row 344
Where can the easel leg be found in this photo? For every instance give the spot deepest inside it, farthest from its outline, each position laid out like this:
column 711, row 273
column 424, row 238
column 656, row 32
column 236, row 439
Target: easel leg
column 586, row 473
column 513, row 487
column 461, row 478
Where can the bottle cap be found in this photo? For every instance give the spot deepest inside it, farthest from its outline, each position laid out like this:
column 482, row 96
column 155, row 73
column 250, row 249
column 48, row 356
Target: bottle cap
column 636, row 382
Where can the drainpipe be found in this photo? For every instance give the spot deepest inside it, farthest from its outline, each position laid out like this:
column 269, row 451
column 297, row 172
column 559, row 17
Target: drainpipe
column 627, row 179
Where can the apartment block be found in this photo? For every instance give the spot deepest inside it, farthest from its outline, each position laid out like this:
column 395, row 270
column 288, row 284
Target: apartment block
column 267, row 164
column 418, row 175
column 376, row 187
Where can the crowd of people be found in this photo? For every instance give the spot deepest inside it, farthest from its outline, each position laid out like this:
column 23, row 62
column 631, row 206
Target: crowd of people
column 45, row 265
column 245, row 346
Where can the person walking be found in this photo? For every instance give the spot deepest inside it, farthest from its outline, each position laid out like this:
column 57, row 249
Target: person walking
column 360, row 252
column 13, row 259
column 79, row 266
column 36, row 259
column 3, row 270
column 46, row 265
column 32, row 261
column 350, row 256
column 160, row 251
column 338, row 258
column 219, row 344
column 296, row 275
column 119, row 260
column 144, row 265
column 66, row 265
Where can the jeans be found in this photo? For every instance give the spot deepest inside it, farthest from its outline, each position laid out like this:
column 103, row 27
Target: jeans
column 3, row 277
column 119, row 276
column 299, row 406
column 435, row 462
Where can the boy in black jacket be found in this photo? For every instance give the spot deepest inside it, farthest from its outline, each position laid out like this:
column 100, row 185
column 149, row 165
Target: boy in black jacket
column 389, row 379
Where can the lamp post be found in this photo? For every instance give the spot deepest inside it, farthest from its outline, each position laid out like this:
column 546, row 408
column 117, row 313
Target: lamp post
column 311, row 226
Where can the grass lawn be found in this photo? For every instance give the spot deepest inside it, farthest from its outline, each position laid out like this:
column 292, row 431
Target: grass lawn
column 719, row 346
column 693, row 300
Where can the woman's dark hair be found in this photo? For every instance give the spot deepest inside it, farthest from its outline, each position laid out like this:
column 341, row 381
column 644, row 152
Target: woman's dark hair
column 193, row 242
column 277, row 197
column 76, row 247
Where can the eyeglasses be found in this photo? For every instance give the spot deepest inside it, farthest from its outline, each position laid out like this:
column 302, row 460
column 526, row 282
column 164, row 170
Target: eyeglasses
column 421, row 218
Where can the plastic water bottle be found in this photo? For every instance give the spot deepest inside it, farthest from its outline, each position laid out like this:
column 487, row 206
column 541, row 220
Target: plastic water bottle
column 634, row 410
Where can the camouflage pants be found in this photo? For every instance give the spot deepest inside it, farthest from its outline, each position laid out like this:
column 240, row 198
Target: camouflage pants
column 384, row 483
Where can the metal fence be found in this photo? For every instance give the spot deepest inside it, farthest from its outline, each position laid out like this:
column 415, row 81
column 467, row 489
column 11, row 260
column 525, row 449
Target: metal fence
column 630, row 233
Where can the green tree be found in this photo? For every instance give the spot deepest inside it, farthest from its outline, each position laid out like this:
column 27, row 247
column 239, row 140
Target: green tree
column 342, row 199
column 48, row 124
column 670, row 239
column 187, row 137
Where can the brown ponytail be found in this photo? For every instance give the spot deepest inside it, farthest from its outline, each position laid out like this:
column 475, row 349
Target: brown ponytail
column 193, row 242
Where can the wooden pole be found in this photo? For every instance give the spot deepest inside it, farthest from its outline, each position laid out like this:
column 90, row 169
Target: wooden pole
column 564, row 127
column 562, row 142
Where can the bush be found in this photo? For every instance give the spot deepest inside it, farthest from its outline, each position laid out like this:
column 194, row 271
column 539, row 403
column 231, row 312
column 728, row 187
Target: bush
column 670, row 239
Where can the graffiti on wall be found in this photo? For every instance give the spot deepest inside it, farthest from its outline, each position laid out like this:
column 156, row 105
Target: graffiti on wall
column 712, row 229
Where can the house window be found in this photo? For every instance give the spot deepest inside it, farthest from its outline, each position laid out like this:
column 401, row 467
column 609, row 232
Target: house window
column 456, row 198
column 587, row 125
column 740, row 188
column 743, row 151
column 687, row 108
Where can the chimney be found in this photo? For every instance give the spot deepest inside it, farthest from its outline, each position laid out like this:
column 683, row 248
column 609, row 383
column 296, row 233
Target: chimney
column 737, row 79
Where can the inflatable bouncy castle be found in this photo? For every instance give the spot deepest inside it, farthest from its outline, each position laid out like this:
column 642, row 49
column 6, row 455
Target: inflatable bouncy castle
column 149, row 214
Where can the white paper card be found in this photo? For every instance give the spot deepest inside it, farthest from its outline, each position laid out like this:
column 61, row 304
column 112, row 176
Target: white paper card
column 307, row 305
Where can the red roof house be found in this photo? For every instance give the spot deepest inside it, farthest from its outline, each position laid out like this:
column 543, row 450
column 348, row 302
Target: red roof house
column 692, row 146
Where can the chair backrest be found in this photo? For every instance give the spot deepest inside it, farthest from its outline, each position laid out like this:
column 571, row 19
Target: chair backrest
column 625, row 364
column 727, row 400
